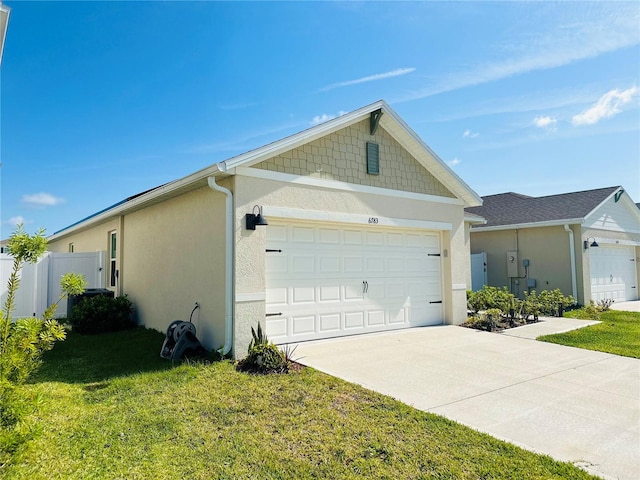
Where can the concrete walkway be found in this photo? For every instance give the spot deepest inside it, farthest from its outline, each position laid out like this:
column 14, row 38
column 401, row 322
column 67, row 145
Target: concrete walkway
column 633, row 306
column 576, row 405
column 548, row 326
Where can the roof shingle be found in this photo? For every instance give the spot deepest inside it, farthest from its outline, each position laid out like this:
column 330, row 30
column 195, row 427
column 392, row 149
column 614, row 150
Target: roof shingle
column 514, row 209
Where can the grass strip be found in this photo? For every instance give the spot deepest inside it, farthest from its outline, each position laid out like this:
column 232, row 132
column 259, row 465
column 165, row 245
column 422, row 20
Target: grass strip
column 112, row 409
column 618, row 333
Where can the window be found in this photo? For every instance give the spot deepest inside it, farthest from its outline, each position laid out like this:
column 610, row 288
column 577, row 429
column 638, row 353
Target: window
column 113, row 272
column 373, row 159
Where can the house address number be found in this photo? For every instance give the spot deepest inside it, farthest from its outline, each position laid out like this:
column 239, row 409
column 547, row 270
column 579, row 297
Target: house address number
column 373, row 220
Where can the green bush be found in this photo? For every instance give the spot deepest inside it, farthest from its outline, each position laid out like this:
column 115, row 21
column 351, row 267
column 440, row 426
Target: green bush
column 23, row 342
column 101, row 314
column 588, row 312
column 263, row 356
column 490, row 297
column 553, row 302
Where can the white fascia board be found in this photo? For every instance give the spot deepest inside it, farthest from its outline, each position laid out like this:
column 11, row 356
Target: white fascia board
column 601, row 204
column 293, row 141
column 518, row 226
column 352, row 218
column 138, row 202
column 430, row 160
column 337, row 185
column 626, row 199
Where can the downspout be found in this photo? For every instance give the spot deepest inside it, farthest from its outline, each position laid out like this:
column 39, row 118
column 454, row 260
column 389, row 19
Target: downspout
column 228, row 266
column 572, row 252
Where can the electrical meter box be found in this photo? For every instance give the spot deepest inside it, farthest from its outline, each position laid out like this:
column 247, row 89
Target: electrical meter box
column 512, row 264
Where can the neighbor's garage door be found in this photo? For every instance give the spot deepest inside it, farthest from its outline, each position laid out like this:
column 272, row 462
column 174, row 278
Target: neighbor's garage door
column 613, row 273
column 328, row 280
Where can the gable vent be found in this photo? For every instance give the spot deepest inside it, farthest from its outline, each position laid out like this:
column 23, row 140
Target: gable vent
column 373, row 158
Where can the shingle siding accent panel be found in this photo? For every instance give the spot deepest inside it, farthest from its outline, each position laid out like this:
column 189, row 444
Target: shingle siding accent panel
column 342, row 156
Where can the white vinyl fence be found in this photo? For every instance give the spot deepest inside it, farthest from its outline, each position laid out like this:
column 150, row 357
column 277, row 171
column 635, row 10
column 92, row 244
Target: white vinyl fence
column 40, row 282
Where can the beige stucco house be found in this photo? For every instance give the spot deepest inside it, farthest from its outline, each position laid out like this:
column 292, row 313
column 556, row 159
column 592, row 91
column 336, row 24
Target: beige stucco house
column 585, row 243
column 366, row 232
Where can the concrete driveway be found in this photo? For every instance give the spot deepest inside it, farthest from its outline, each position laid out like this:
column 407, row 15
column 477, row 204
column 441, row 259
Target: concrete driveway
column 572, row 404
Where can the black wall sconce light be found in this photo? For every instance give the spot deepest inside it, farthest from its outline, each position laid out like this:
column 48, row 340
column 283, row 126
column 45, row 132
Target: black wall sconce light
column 253, row 219
column 593, row 244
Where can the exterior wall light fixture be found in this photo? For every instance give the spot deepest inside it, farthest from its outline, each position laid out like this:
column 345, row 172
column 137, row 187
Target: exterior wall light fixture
column 253, row 219
column 587, row 244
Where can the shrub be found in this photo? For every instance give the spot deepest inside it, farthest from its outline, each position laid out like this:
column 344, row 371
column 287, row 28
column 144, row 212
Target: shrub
column 23, row 341
column 588, row 312
column 263, row 356
column 490, row 297
column 553, row 302
column 605, row 304
column 101, row 314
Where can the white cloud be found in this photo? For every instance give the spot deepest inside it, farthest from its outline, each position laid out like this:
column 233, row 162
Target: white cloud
column 577, row 35
column 325, row 118
column 610, row 104
column 371, row 78
column 469, row 134
column 15, row 221
column 322, row 118
column 454, row 162
column 545, row 122
column 42, row 199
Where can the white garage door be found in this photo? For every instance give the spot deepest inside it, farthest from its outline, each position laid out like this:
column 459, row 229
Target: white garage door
column 328, row 280
column 613, row 273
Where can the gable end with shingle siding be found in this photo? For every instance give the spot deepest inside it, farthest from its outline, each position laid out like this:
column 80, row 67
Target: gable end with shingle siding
column 341, row 156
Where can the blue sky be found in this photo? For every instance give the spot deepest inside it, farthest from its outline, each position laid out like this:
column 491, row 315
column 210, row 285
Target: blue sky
column 103, row 100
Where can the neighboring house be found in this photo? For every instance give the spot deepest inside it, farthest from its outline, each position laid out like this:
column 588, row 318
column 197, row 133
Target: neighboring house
column 366, row 232
column 545, row 243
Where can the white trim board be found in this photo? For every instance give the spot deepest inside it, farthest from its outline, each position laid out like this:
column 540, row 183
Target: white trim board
column 337, row 185
column 352, row 218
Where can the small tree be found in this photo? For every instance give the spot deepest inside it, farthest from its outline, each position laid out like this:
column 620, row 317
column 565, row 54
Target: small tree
column 23, row 341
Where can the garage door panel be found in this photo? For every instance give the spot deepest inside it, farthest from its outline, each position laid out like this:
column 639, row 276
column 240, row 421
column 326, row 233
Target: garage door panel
column 303, row 264
column 396, row 290
column 277, row 296
column 277, row 328
column 353, row 237
column 423, row 315
column 276, row 264
column 302, row 234
column 329, row 294
column 328, row 264
column 304, row 295
column 353, row 292
column 353, row 320
column 331, row 280
column 375, row 265
column 376, row 290
column 330, row 322
column 395, row 239
column 397, row 316
column 329, row 236
column 376, row 318
column 353, row 264
column 375, row 239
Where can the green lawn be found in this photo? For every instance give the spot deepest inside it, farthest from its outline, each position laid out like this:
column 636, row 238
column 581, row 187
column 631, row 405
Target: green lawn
column 112, row 409
column 619, row 333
